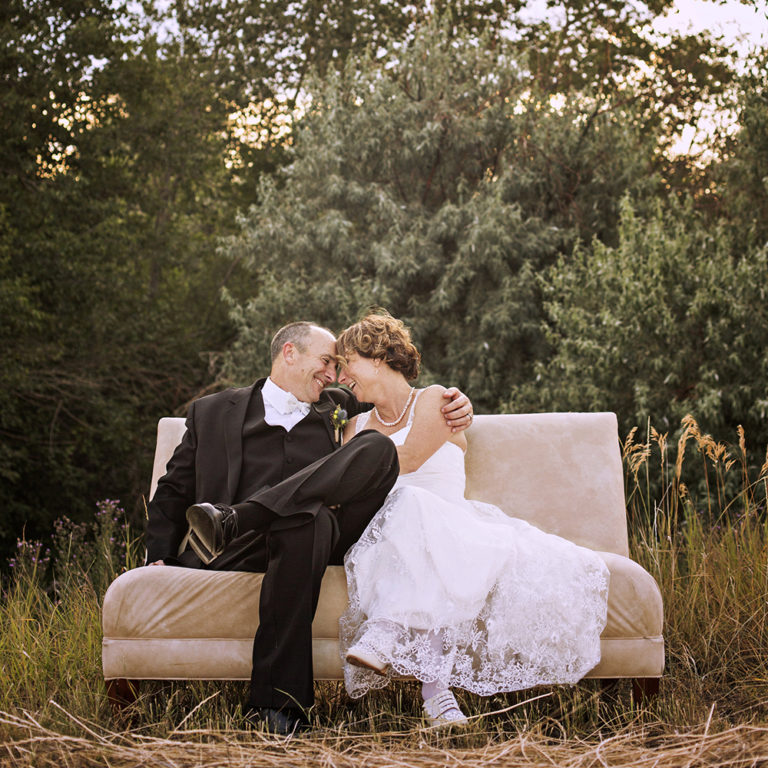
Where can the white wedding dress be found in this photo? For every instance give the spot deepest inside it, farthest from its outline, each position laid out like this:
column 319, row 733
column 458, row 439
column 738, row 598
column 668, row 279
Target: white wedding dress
column 455, row 591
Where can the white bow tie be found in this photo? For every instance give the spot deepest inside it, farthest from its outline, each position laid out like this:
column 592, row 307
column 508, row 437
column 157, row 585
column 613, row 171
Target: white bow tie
column 292, row 404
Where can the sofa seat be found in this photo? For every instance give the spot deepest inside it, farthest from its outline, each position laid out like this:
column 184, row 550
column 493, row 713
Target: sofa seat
column 179, row 624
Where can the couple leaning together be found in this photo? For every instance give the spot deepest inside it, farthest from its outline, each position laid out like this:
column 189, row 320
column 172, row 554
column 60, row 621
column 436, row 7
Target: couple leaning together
column 449, row 591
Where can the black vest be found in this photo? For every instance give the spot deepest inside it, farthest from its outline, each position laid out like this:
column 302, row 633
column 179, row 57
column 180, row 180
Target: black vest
column 270, row 454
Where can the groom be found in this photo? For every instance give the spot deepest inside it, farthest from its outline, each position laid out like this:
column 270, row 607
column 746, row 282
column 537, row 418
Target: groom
column 262, row 476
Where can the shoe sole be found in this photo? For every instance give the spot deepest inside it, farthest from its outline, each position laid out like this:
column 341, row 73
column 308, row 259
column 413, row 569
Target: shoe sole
column 463, row 723
column 199, row 548
column 365, row 663
column 201, row 535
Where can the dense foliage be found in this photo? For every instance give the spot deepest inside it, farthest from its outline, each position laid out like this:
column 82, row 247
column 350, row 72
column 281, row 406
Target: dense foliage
column 179, row 178
column 113, row 191
column 437, row 187
column 671, row 321
column 544, row 250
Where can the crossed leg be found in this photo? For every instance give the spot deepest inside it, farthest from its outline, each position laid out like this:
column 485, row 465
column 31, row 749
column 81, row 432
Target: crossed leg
column 302, row 536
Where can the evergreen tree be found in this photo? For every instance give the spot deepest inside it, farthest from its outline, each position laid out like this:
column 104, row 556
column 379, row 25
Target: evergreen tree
column 436, row 183
column 671, row 321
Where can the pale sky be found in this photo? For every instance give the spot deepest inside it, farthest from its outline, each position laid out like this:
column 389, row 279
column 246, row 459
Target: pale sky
column 736, row 21
column 742, row 25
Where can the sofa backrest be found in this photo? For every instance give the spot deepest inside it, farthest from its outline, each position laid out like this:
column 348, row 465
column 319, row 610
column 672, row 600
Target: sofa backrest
column 560, row 471
column 170, row 430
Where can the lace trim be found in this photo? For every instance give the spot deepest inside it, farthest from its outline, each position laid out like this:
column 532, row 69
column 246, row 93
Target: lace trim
column 540, row 623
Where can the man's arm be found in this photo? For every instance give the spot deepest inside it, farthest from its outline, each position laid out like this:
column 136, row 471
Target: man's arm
column 458, row 411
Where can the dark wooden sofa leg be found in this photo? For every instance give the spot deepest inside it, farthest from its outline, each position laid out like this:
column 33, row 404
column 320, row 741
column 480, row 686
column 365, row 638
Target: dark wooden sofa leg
column 121, row 693
column 608, row 685
column 644, row 689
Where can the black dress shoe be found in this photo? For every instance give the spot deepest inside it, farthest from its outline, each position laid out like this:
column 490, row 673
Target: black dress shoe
column 283, row 722
column 212, row 527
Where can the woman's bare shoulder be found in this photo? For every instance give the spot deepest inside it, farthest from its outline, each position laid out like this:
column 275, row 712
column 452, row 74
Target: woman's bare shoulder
column 432, row 394
column 430, row 402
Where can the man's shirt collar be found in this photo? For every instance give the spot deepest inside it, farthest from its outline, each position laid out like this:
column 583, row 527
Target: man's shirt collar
column 283, row 402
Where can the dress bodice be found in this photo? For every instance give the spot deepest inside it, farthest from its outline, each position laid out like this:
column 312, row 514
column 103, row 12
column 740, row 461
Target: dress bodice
column 442, row 473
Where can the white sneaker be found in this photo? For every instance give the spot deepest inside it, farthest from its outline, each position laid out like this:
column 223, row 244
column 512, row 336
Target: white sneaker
column 362, row 657
column 443, row 709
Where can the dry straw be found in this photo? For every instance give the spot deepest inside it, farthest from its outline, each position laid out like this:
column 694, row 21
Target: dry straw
column 32, row 744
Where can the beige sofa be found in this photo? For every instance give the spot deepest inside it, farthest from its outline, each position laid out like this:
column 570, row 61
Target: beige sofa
column 560, row 471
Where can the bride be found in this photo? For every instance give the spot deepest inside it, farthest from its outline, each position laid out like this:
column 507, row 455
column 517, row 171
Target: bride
column 452, row 592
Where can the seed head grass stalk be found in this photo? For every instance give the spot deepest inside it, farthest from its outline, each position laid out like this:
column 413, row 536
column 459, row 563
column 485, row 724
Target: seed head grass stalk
column 698, row 524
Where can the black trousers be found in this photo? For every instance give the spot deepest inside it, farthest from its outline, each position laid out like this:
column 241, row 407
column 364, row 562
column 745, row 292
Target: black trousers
column 301, row 538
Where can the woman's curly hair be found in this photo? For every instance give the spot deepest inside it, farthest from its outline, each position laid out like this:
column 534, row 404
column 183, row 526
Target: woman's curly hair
column 381, row 337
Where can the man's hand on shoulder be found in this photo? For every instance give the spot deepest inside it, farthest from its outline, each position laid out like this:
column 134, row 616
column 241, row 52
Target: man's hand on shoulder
column 346, row 399
column 458, row 411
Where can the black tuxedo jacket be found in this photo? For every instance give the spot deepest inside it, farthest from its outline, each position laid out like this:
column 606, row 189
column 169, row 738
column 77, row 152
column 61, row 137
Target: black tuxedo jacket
column 206, row 465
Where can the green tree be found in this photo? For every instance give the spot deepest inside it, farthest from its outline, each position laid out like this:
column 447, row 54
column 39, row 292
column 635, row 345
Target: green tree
column 45, row 93
column 258, row 56
column 741, row 179
column 262, row 53
column 670, row 321
column 436, row 183
column 114, row 191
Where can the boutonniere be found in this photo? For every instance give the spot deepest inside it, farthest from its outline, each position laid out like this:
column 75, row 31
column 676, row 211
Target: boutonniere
column 339, row 421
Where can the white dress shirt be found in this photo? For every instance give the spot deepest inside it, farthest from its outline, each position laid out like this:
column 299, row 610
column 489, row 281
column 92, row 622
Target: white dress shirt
column 281, row 408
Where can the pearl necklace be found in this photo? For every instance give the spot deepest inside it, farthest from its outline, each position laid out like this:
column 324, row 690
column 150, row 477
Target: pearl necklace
column 402, row 413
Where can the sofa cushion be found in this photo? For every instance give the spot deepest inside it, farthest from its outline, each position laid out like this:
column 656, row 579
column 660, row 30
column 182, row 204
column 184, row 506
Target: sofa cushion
column 169, row 602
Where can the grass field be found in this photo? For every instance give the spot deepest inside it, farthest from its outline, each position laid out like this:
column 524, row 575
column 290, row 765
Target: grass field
column 698, row 523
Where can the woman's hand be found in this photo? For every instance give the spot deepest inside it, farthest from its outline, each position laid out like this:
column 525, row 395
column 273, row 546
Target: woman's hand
column 458, row 412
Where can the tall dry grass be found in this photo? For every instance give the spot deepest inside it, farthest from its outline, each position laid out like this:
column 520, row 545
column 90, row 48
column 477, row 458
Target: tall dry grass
column 703, row 535
column 698, row 523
